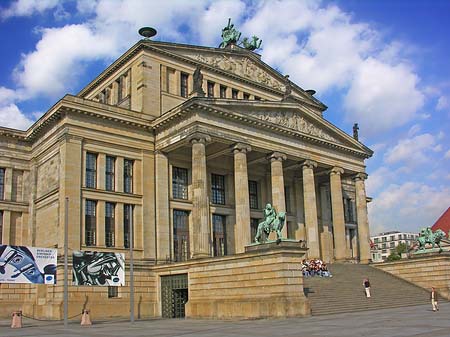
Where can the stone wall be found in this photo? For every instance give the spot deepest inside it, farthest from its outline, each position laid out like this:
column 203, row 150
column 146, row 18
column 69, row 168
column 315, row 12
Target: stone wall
column 425, row 270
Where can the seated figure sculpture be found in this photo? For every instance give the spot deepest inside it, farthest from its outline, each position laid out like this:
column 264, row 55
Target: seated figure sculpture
column 273, row 222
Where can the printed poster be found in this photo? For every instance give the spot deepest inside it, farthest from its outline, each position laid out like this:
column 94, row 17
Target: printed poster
column 20, row 264
column 98, row 269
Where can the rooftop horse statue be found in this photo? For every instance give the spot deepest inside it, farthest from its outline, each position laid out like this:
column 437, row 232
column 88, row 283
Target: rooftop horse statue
column 273, row 222
column 427, row 236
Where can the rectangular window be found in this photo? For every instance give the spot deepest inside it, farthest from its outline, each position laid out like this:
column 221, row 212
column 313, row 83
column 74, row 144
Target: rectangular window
column 113, row 292
column 218, row 189
column 180, row 235
column 376, row 240
column 223, row 91
column 348, row 211
column 127, row 224
column 128, row 176
column 392, row 237
column 179, row 183
column 109, row 173
column 110, row 224
column 253, row 194
column 90, row 222
column 119, row 86
column 184, row 84
column 392, row 244
column 246, row 96
column 254, row 227
column 219, row 235
column 1, row 227
column 91, row 170
column 384, row 246
column 210, row 86
column 234, row 94
column 384, row 239
column 257, row 98
column 2, row 183
column 287, row 198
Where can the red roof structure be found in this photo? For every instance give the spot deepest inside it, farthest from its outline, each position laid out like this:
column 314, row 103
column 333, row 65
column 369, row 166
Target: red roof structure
column 443, row 222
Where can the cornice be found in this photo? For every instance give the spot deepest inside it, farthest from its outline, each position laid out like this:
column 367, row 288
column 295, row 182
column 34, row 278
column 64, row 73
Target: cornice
column 195, row 105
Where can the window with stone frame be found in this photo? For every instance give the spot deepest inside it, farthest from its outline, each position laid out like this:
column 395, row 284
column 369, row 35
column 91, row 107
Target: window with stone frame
column 349, row 211
column 113, row 292
column 223, row 91
column 110, row 224
column 91, row 170
column 128, row 176
column 287, row 198
column 218, row 189
column 210, row 88
column 110, row 173
column 180, row 235
column 2, row 183
column 1, row 227
column 184, row 84
column 253, row 194
column 90, row 222
column 219, row 235
column 179, row 183
column 246, row 96
column 254, row 227
column 127, row 224
column 234, row 94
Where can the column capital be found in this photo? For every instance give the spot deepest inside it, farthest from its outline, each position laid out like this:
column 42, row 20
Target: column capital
column 336, row 170
column 276, row 156
column 360, row 176
column 309, row 164
column 241, row 148
column 199, row 137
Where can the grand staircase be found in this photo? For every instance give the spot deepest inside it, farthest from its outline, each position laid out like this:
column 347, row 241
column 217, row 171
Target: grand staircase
column 344, row 291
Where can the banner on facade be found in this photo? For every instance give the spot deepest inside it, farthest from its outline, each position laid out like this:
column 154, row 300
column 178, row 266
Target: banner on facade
column 98, row 269
column 19, row 264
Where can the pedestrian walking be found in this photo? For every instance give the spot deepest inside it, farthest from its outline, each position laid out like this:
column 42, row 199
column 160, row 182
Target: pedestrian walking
column 434, row 299
column 366, row 284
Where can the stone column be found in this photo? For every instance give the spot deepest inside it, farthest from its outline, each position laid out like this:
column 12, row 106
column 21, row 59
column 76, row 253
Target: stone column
column 361, row 218
column 200, row 209
column 337, row 208
column 277, row 180
column 242, row 229
column 312, row 228
column 162, row 207
column 8, row 184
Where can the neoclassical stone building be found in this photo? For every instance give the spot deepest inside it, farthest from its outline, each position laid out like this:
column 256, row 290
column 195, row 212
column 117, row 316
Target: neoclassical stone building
column 187, row 144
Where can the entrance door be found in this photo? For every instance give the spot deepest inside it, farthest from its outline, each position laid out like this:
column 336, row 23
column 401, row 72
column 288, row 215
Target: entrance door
column 174, row 295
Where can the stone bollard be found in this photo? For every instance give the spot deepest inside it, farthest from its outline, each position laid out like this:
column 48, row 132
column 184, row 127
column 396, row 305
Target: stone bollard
column 85, row 319
column 16, row 319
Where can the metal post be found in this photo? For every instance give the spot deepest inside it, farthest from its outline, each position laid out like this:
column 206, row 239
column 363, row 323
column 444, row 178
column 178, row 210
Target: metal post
column 131, row 264
column 66, row 241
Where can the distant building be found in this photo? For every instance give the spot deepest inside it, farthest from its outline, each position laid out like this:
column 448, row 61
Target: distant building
column 385, row 243
column 443, row 222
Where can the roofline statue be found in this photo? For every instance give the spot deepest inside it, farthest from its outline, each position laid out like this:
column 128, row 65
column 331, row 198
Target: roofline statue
column 231, row 36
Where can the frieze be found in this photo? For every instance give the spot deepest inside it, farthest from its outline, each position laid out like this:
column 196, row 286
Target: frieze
column 241, row 66
column 292, row 120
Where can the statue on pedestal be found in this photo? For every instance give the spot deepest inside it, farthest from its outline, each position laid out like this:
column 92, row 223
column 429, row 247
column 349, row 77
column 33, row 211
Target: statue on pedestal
column 428, row 236
column 273, row 222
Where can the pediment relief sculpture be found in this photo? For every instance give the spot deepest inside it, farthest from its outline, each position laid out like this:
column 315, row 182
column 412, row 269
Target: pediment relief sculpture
column 241, row 66
column 293, row 121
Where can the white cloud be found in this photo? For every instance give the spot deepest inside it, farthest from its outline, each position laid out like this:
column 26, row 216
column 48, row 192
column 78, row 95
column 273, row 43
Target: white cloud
column 447, row 155
column 414, row 130
column 408, row 206
column 412, row 151
column 442, row 103
column 28, row 7
column 12, row 117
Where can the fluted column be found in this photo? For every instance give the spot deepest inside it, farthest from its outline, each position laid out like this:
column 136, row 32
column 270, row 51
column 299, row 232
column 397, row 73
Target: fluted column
column 361, row 218
column 277, row 181
column 200, row 210
column 337, row 207
column 242, row 230
column 311, row 224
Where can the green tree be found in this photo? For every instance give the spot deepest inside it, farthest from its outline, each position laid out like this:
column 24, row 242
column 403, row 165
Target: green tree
column 397, row 253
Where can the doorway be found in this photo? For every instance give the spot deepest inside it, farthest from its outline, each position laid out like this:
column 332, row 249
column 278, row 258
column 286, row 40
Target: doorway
column 174, row 295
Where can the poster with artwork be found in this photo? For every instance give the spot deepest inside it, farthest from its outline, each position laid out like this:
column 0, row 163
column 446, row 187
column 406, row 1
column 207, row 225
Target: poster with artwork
column 98, row 269
column 20, row 264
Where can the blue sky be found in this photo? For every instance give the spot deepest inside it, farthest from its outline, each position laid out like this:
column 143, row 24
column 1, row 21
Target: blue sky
column 383, row 64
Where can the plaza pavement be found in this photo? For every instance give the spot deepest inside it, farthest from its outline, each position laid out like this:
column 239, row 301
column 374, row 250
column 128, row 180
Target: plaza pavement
column 407, row 321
